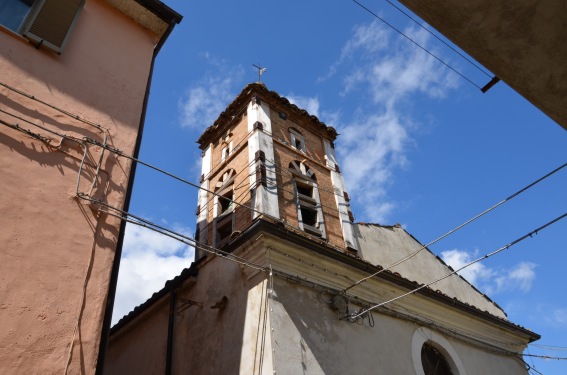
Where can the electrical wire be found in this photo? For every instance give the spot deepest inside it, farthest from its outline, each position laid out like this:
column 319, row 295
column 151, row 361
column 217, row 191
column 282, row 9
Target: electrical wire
column 105, row 146
column 213, row 168
column 288, row 173
column 545, row 357
column 531, row 368
column 548, row 347
column 235, row 188
column 120, row 153
column 531, row 358
column 229, row 256
column 417, row 44
column 505, row 247
column 283, row 171
column 319, row 204
column 133, row 219
column 460, row 226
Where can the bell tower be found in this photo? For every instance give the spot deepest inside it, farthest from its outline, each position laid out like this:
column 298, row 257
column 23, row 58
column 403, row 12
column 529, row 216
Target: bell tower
column 266, row 159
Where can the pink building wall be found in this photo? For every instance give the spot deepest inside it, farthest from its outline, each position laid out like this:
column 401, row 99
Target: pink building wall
column 56, row 250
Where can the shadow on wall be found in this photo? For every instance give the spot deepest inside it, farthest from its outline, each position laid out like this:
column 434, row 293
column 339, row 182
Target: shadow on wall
column 208, row 326
column 102, row 67
column 305, row 326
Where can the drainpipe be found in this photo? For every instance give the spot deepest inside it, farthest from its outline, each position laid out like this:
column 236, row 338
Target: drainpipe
column 170, row 328
column 103, row 345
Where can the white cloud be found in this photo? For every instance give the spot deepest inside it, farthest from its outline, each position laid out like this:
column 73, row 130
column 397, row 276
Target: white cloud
column 492, row 281
column 475, row 273
column 396, row 68
column 207, row 99
column 149, row 259
column 311, row 105
column 558, row 317
column 384, row 72
column 369, row 38
column 369, row 151
column 520, row 277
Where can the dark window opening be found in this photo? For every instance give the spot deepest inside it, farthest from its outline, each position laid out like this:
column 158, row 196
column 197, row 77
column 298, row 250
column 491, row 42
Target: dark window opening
column 224, row 230
column 433, row 362
column 309, row 211
column 225, row 202
column 308, row 216
column 305, row 190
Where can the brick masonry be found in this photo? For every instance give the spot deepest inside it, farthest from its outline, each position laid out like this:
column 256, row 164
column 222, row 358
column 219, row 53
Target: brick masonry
column 283, row 116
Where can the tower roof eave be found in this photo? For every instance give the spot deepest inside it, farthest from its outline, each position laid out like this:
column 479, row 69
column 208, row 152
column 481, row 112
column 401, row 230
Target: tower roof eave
column 258, row 89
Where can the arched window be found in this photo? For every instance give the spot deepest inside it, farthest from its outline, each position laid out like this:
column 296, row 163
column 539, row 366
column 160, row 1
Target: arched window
column 309, row 213
column 433, row 362
column 432, row 354
column 223, row 212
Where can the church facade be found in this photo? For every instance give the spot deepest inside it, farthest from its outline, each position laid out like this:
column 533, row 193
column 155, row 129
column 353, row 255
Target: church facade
column 280, row 282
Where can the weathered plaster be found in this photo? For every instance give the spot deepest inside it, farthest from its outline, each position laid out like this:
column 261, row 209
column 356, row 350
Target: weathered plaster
column 57, row 250
column 264, row 198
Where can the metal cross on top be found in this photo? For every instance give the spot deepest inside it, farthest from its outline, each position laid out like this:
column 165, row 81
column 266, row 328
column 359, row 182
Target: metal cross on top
column 260, row 71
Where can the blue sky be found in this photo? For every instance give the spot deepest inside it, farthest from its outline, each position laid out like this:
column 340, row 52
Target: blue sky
column 434, row 150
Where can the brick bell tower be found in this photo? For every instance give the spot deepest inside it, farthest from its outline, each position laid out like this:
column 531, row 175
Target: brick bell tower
column 266, row 159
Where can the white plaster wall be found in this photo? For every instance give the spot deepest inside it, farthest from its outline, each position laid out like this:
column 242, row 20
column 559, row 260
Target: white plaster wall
column 312, row 340
column 342, row 205
column 308, row 338
column 202, row 217
column 330, row 157
column 264, row 199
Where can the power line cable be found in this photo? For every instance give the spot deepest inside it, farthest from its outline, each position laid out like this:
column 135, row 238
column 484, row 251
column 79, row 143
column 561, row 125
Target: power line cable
column 283, row 190
column 180, row 179
column 235, row 188
column 549, row 347
column 531, row 358
column 131, row 218
column 505, row 247
column 418, row 45
column 459, row 227
column 545, row 357
column 121, row 153
column 213, row 168
column 530, row 368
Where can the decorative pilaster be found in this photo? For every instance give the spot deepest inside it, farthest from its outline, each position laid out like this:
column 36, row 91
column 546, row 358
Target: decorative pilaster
column 341, row 198
column 264, row 192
